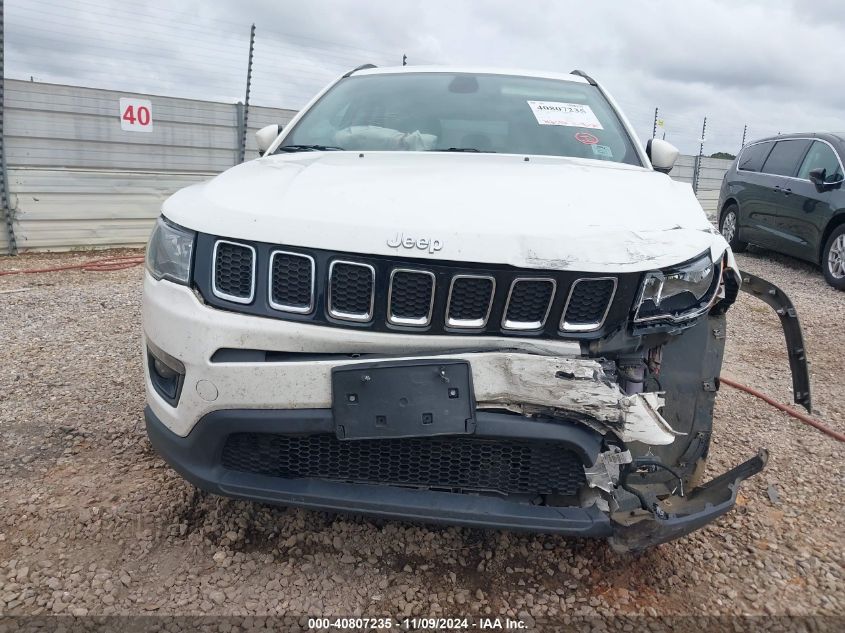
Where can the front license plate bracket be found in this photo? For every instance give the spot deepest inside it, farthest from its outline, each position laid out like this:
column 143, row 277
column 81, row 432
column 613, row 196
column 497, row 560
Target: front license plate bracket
column 393, row 399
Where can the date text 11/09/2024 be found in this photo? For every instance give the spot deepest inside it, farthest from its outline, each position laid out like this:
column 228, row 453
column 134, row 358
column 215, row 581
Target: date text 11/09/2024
column 414, row 624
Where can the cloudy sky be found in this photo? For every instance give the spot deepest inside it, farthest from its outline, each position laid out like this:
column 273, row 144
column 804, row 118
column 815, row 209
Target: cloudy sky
column 768, row 64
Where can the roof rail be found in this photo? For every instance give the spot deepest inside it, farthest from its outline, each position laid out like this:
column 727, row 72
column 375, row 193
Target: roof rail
column 581, row 73
column 361, row 67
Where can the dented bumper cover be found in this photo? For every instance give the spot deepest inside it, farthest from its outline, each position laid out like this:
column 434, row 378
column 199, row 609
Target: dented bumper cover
column 197, row 458
column 680, row 515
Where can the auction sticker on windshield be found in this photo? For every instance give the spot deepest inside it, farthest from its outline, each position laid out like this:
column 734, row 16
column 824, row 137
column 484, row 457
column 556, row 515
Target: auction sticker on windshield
column 568, row 114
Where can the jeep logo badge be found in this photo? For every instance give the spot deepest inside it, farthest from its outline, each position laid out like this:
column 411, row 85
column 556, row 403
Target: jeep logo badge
column 432, row 245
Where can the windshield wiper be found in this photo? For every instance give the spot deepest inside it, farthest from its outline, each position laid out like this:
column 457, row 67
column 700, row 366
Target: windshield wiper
column 462, row 149
column 309, row 148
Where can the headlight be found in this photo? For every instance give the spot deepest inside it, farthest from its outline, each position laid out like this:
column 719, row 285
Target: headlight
column 679, row 293
column 169, row 252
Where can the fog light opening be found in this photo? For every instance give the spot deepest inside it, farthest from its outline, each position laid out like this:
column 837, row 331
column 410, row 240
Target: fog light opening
column 166, row 375
column 163, row 370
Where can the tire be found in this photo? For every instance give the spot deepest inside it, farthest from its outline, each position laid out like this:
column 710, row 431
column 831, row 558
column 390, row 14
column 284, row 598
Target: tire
column 729, row 228
column 833, row 258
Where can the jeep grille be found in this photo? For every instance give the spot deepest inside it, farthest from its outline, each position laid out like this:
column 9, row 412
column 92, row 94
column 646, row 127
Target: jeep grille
column 291, row 282
column 470, row 300
column 234, row 271
column 529, row 302
column 411, row 297
column 351, row 291
column 587, row 305
column 385, row 293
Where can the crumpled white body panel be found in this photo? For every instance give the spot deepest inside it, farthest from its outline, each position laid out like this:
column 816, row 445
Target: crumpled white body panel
column 575, row 386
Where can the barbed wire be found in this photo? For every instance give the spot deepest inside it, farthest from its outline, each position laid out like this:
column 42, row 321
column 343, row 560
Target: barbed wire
column 289, row 68
column 169, row 50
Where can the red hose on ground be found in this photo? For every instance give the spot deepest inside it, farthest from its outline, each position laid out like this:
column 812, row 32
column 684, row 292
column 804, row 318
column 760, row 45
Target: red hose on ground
column 795, row 414
column 98, row 265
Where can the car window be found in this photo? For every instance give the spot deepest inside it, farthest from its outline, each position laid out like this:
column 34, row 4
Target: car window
column 821, row 156
column 783, row 160
column 470, row 112
column 753, row 156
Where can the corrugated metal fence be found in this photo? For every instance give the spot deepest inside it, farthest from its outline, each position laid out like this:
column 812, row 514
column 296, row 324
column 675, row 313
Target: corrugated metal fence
column 77, row 180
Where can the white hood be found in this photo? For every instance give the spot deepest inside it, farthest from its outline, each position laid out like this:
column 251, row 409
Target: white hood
column 546, row 212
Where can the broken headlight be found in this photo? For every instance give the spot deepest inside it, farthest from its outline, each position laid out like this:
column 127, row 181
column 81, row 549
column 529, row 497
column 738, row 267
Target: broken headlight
column 169, row 252
column 679, row 293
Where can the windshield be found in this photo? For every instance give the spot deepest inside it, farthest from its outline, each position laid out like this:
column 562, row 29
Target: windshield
column 464, row 112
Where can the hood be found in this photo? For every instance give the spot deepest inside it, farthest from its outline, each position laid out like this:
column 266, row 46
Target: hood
column 537, row 212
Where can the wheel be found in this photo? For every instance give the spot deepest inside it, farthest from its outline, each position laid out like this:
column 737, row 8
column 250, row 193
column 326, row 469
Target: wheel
column 833, row 258
column 729, row 227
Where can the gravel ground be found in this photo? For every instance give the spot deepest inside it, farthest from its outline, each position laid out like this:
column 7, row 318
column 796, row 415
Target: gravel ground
column 93, row 522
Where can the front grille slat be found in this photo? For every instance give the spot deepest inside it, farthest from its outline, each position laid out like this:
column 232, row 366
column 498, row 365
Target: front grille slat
column 470, row 301
column 588, row 303
column 411, row 297
column 464, row 464
column 291, row 282
column 351, row 290
column 529, row 302
column 234, row 271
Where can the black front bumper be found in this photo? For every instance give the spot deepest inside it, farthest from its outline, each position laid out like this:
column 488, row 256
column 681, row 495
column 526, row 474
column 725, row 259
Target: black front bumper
column 198, row 458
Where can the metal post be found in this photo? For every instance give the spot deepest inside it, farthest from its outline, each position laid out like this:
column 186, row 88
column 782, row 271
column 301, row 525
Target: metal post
column 404, row 60
column 654, row 129
column 744, row 130
column 5, row 205
column 242, row 148
column 240, row 131
column 700, row 154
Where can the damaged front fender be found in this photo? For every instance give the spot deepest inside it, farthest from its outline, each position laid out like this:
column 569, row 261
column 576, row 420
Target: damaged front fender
column 664, row 518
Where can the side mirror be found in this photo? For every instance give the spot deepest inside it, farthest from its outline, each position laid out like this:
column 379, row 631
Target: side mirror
column 265, row 136
column 822, row 181
column 817, row 176
column 662, row 154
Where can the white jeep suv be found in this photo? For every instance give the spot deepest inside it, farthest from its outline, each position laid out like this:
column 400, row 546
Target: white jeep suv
column 456, row 295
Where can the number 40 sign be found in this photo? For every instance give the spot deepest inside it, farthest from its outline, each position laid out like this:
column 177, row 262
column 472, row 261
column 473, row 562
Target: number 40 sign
column 136, row 115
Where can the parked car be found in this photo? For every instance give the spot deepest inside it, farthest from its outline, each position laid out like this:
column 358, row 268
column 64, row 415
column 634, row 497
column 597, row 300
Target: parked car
column 785, row 193
column 455, row 295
